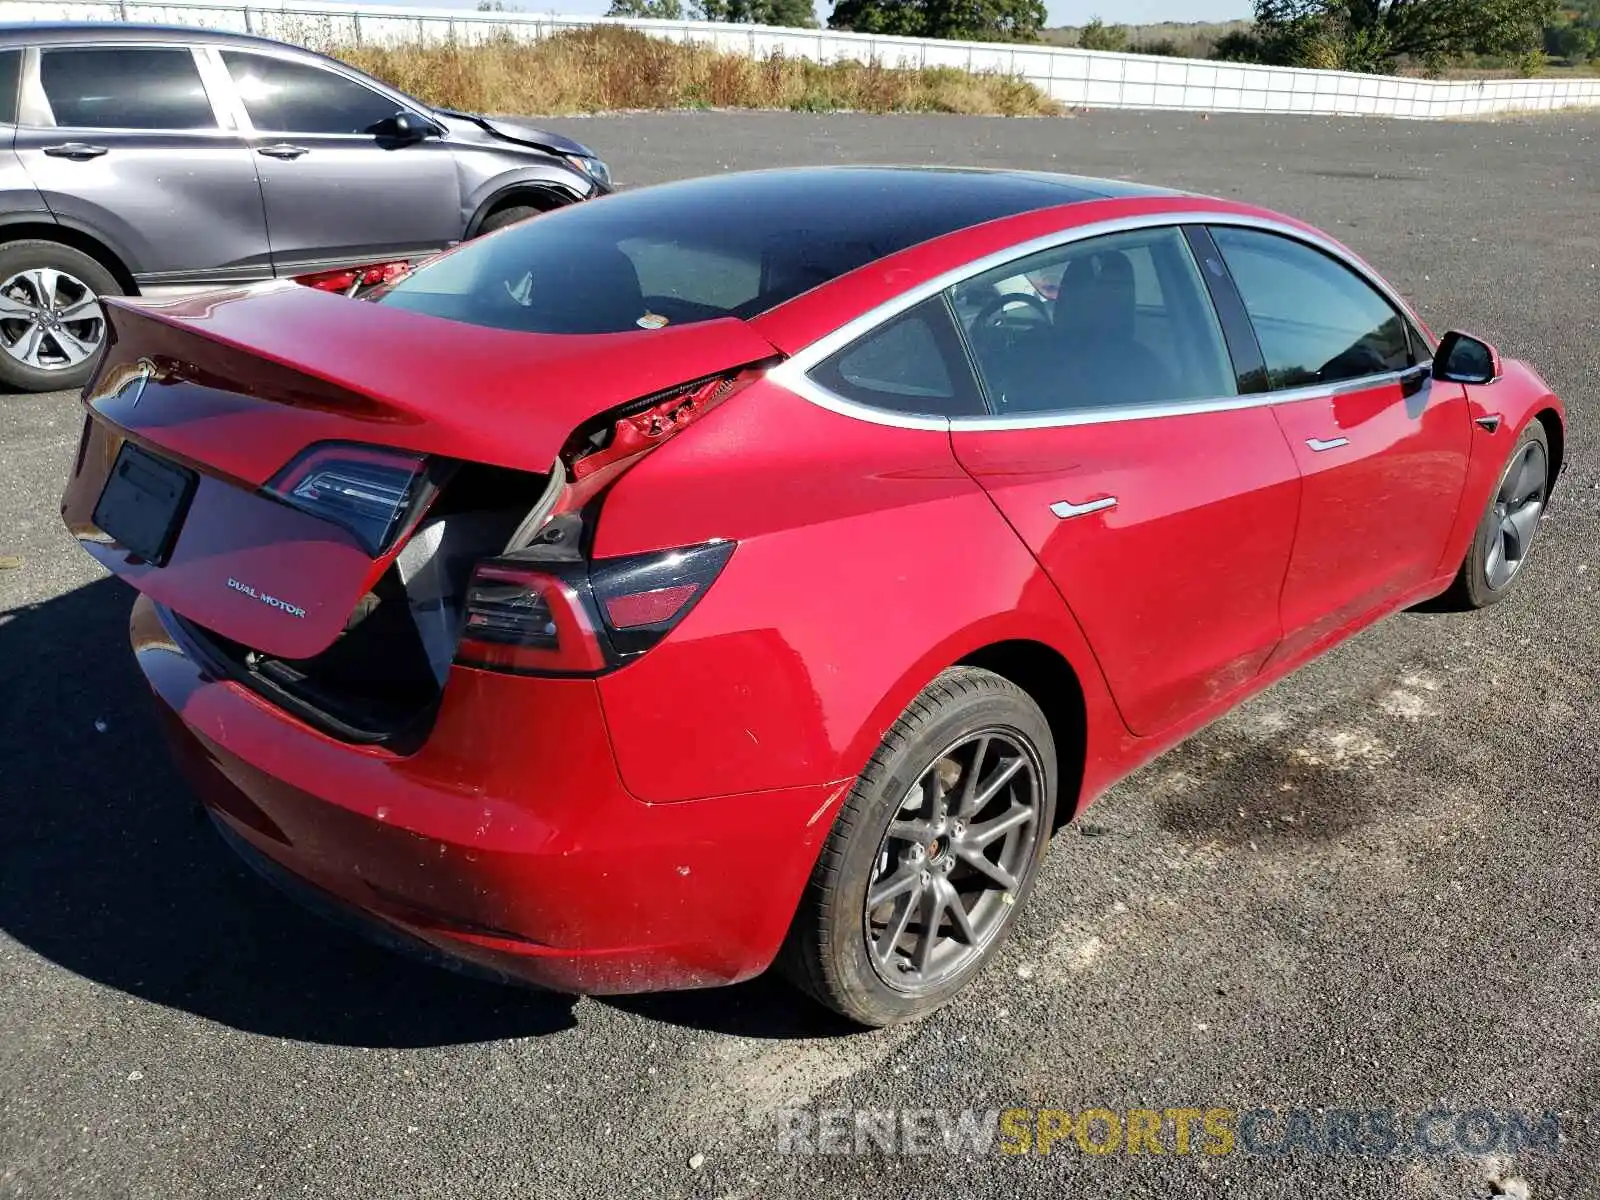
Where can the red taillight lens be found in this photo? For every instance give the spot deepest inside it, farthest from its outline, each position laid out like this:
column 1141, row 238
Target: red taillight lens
column 351, row 278
column 568, row 619
column 519, row 619
column 366, row 489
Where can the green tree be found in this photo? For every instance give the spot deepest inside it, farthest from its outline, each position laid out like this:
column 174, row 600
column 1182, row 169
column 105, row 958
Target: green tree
column 1368, row 35
column 661, row 10
column 1097, row 35
column 965, row 20
column 1574, row 41
column 798, row 13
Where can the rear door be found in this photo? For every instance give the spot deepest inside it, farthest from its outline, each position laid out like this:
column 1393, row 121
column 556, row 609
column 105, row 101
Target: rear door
column 335, row 194
column 1160, row 501
column 1382, row 447
column 123, row 140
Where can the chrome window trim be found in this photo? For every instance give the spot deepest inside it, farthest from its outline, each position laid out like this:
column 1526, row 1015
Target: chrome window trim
column 793, row 373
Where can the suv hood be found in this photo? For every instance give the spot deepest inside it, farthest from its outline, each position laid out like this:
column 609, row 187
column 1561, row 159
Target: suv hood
column 515, row 131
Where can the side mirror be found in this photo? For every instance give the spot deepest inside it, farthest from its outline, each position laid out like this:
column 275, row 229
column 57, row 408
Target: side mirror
column 1462, row 358
column 403, row 127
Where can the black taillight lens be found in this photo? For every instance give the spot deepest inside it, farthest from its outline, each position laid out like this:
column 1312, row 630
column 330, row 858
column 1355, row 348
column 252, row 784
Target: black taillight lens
column 643, row 596
column 572, row 618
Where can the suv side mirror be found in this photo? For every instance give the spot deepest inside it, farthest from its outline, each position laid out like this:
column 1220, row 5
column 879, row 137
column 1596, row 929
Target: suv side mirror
column 1462, row 358
column 403, row 127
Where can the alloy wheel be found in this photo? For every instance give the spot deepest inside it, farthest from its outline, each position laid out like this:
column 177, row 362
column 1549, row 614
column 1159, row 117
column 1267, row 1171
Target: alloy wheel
column 1518, row 505
column 49, row 320
column 952, row 860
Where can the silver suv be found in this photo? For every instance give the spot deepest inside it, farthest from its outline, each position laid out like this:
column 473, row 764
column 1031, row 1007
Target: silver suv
column 149, row 159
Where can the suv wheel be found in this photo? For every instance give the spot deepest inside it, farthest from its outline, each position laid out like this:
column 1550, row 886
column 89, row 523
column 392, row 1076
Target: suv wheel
column 509, row 215
column 51, row 325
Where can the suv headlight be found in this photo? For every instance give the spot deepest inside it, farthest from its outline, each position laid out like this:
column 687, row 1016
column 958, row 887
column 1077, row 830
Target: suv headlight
column 593, row 168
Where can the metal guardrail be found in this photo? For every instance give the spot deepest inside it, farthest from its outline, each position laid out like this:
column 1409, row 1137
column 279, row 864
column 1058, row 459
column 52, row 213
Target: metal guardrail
column 1078, row 78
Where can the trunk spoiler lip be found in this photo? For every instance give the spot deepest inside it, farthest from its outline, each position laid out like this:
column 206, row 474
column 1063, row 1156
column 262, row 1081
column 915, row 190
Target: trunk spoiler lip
column 377, row 366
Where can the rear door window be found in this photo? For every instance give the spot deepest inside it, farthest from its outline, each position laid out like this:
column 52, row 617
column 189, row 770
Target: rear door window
column 125, row 87
column 288, row 97
column 1106, row 322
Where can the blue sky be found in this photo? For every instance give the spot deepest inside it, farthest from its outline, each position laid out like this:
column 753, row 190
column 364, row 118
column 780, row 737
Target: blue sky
column 1062, row 12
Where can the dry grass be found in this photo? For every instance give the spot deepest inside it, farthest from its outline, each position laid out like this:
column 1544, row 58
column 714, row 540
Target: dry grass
column 609, row 68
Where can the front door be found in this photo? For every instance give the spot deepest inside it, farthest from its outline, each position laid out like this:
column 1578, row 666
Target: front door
column 123, row 141
column 1382, row 447
column 335, row 194
column 1160, row 502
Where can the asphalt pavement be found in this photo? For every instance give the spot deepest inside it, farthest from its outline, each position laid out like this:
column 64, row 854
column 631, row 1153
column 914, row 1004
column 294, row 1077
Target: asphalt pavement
column 1372, row 888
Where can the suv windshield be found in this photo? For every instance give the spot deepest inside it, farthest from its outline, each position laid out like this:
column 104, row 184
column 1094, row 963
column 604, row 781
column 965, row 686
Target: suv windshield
column 695, row 251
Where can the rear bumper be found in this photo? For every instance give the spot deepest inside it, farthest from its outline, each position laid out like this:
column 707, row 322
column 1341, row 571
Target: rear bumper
column 507, row 842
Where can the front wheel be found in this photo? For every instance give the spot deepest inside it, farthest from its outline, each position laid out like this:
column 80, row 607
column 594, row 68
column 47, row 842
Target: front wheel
column 512, row 214
column 933, row 854
column 1505, row 536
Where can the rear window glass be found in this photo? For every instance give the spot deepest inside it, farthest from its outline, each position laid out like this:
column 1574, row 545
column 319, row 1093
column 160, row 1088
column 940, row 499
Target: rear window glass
column 699, row 250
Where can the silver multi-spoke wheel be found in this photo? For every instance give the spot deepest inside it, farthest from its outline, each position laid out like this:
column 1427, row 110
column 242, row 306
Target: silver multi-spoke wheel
column 933, row 855
column 1518, row 506
column 952, row 860
column 49, row 320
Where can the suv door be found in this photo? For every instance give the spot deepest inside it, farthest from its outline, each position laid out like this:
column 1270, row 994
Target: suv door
column 125, row 142
column 336, row 194
column 1160, row 500
column 1382, row 447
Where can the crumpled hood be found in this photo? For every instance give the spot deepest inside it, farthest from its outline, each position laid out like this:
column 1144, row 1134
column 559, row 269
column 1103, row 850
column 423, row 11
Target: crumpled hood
column 516, row 131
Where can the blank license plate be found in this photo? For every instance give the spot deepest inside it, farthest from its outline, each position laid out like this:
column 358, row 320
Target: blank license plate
column 144, row 502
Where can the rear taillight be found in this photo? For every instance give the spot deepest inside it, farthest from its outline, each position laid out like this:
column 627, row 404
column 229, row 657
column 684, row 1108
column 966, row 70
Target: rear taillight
column 641, row 597
column 367, row 490
column 519, row 619
column 572, row 618
column 352, row 279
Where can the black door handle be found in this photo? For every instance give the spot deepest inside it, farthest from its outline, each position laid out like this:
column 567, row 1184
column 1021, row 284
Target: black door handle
column 282, row 150
column 1412, row 381
column 77, row 151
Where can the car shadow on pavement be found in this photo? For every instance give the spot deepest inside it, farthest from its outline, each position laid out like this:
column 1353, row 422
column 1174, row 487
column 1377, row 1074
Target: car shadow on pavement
column 109, row 869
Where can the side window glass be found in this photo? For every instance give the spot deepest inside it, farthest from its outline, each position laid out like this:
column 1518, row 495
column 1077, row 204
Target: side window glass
column 124, row 87
column 1112, row 321
column 289, row 97
column 1317, row 321
column 913, row 365
column 10, row 74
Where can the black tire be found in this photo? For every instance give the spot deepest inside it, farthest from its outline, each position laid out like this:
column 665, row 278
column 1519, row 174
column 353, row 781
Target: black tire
column 828, row 953
column 30, row 254
column 509, row 215
column 1473, row 587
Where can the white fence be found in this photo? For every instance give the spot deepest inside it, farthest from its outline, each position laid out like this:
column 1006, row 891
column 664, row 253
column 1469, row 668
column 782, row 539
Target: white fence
column 1075, row 77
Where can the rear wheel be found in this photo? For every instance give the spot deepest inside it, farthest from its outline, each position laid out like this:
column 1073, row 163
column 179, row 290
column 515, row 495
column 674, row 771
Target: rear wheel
column 933, row 855
column 51, row 325
column 1505, row 536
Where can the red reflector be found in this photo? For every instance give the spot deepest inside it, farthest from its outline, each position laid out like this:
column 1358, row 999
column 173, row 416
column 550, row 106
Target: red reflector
column 649, row 608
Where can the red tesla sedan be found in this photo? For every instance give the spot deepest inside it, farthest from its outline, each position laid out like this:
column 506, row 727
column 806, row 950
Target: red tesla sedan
column 761, row 567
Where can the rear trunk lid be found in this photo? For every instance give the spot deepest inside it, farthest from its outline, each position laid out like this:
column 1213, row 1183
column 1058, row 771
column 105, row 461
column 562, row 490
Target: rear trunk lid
column 199, row 404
